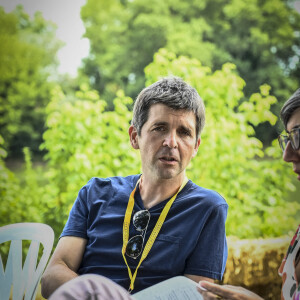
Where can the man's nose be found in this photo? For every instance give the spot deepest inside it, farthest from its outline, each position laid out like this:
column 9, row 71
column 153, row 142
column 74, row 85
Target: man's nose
column 171, row 140
column 289, row 154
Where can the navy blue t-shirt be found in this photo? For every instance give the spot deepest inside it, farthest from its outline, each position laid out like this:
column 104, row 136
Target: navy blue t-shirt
column 191, row 241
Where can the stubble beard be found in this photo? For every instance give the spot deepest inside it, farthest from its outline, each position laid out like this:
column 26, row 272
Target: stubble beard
column 167, row 172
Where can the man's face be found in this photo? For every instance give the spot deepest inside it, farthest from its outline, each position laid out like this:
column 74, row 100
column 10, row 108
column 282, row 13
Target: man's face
column 167, row 142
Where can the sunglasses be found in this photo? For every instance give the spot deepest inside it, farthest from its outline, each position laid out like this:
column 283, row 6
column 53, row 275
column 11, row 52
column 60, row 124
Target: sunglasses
column 135, row 244
column 293, row 137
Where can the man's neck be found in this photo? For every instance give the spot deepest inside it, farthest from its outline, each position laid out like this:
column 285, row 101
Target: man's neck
column 154, row 191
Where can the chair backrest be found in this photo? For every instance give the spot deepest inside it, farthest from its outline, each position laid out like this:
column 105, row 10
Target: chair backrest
column 24, row 279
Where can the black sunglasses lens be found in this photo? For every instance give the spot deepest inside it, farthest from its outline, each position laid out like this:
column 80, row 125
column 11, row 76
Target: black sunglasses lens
column 141, row 219
column 134, row 246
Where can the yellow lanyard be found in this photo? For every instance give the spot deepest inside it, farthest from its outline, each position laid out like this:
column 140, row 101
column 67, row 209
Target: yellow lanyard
column 154, row 232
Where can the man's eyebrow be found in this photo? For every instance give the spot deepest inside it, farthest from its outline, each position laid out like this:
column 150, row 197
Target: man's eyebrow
column 159, row 123
column 188, row 128
column 163, row 123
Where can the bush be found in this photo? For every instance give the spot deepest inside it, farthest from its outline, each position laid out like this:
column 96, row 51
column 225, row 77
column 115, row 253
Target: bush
column 21, row 201
column 84, row 140
column 254, row 181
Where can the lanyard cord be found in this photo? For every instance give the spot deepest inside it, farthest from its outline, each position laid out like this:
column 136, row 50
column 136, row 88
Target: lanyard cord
column 154, row 232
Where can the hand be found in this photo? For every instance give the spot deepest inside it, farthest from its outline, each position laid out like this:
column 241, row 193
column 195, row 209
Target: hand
column 211, row 291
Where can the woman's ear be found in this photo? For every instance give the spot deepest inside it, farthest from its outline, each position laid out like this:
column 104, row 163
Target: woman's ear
column 133, row 136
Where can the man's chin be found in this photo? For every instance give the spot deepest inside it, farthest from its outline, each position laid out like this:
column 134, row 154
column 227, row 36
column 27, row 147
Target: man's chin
column 168, row 174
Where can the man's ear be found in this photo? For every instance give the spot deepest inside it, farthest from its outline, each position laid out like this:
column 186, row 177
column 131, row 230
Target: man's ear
column 133, row 136
column 196, row 146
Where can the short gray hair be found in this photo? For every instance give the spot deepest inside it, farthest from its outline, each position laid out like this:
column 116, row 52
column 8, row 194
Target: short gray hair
column 172, row 92
column 289, row 107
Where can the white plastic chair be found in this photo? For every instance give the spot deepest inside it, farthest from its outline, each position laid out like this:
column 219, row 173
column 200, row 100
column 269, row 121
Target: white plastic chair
column 24, row 279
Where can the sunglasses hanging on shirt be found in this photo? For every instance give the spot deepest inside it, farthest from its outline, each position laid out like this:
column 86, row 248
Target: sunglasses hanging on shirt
column 135, row 244
column 141, row 219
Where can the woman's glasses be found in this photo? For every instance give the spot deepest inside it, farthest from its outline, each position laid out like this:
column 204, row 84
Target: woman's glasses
column 293, row 137
column 135, row 244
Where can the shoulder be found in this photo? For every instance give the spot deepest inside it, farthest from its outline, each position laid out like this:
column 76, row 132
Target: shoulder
column 110, row 184
column 95, row 182
column 206, row 196
column 100, row 190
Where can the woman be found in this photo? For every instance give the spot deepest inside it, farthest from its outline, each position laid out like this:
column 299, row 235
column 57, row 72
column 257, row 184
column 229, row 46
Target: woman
column 290, row 267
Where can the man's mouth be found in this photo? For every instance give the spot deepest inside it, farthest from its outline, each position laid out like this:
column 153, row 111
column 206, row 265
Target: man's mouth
column 168, row 159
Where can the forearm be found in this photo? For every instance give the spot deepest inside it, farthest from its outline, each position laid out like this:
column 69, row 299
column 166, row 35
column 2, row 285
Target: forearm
column 54, row 277
column 63, row 264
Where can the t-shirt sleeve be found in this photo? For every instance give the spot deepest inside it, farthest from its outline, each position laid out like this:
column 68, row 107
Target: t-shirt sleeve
column 210, row 254
column 77, row 221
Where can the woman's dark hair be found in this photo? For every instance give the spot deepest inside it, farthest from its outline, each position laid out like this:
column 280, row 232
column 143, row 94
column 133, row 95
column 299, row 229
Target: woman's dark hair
column 289, row 107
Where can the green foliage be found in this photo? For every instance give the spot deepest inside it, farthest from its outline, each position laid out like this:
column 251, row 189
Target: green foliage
column 27, row 55
column 83, row 140
column 21, row 201
column 260, row 37
column 230, row 159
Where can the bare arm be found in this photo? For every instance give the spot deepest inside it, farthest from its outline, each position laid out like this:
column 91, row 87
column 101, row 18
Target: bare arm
column 230, row 292
column 63, row 264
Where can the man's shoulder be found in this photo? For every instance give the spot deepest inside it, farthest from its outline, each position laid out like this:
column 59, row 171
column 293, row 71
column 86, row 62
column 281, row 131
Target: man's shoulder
column 104, row 189
column 114, row 181
column 206, row 194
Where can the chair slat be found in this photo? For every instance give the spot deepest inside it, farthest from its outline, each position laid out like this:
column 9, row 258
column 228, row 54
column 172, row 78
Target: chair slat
column 24, row 279
column 31, row 261
column 16, row 265
column 6, row 278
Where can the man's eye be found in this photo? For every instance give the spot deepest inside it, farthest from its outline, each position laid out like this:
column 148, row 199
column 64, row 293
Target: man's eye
column 185, row 132
column 158, row 128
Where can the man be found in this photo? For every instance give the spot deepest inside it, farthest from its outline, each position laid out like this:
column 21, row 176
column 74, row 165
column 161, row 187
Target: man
column 178, row 228
column 290, row 267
